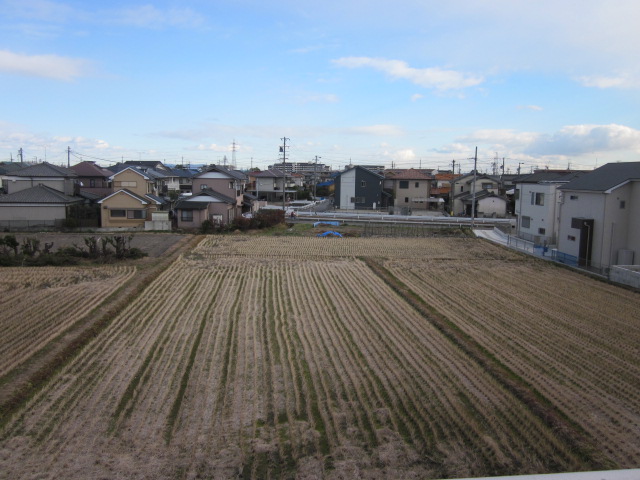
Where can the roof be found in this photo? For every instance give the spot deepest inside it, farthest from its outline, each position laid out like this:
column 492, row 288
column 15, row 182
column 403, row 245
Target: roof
column 271, row 173
column 6, row 167
column 121, row 168
column 361, row 168
column 237, row 174
column 146, row 163
column 406, row 174
column 446, row 176
column 90, row 169
column 39, row 194
column 43, row 170
column 606, row 177
column 148, row 198
column 549, row 176
column 468, row 196
column 192, row 202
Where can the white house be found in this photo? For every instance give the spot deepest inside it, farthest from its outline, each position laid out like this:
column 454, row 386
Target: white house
column 600, row 217
column 537, row 205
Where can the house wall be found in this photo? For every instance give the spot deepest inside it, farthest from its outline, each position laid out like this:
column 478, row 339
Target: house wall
column 36, row 211
column 221, row 183
column 346, row 190
column 460, row 186
column 541, row 216
column 491, row 206
column 122, row 201
column 17, row 184
column 199, row 216
column 411, row 196
column 633, row 233
column 142, row 185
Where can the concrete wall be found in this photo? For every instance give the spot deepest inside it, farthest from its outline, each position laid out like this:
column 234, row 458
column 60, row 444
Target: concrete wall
column 626, row 274
column 542, row 216
column 491, row 206
column 32, row 212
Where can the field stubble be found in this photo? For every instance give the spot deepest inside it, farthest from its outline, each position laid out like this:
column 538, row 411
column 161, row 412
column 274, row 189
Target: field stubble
column 282, row 357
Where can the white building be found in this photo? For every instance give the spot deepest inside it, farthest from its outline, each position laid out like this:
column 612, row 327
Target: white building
column 600, row 217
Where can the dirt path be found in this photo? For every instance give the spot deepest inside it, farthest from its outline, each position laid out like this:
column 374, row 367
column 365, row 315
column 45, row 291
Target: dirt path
column 20, row 384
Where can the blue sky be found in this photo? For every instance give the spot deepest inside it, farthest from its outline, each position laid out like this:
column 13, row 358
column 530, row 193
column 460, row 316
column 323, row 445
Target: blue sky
column 409, row 83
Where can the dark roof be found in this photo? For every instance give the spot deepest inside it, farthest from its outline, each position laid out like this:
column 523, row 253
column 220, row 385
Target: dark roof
column 468, row 196
column 146, row 163
column 272, row 173
column 605, row 177
column 43, row 170
column 39, row 194
column 184, row 205
column 207, row 192
column 181, row 172
column 361, row 168
column 549, row 176
column 6, row 167
column 237, row 174
column 90, row 169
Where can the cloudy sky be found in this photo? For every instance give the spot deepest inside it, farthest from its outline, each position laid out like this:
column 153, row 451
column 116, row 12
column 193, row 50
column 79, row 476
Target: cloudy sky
column 413, row 83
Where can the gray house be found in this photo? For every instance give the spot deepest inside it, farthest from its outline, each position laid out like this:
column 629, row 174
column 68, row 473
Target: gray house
column 600, row 217
column 358, row 188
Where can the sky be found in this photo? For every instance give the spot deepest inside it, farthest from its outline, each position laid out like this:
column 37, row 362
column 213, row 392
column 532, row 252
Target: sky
column 404, row 83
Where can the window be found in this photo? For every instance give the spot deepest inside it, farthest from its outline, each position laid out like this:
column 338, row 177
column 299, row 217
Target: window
column 462, row 188
column 487, row 186
column 137, row 214
column 571, row 237
column 231, row 185
column 406, row 199
column 537, row 198
column 363, row 183
column 526, row 222
column 186, row 215
column 542, row 231
column 128, row 184
column 203, row 186
column 404, row 184
column 92, row 182
column 623, row 204
column 118, row 213
column 417, row 185
column 357, row 199
column 573, row 197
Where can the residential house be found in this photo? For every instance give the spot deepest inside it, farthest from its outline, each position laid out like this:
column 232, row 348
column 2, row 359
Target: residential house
column 410, row 189
column 358, row 188
column 486, row 187
column 537, row 201
column 5, row 168
column 59, row 178
column 40, row 206
column 441, row 188
column 600, row 217
column 268, row 185
column 204, row 205
column 133, row 202
column 93, row 179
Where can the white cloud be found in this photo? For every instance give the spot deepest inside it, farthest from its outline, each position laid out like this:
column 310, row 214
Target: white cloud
column 376, row 130
column 416, row 96
column 148, row 16
column 438, row 78
column 534, row 108
column 618, row 81
column 571, row 140
column 47, row 66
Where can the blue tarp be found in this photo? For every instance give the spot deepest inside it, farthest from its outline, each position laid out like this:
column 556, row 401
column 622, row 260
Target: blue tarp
column 330, row 232
column 335, row 224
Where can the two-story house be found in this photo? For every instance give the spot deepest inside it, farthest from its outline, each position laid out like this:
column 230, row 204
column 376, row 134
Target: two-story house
column 537, row 204
column 358, row 188
column 93, row 179
column 410, row 188
column 484, row 188
column 218, row 196
column 133, row 201
column 40, row 194
column 600, row 217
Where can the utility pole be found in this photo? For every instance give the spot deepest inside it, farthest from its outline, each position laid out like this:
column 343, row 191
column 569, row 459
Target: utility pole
column 68, row 157
column 283, row 149
column 233, row 154
column 519, row 163
column 20, row 155
column 454, row 167
column 315, row 178
column 473, row 189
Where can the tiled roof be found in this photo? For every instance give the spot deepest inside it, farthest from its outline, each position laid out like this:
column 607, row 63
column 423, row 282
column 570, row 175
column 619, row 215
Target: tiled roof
column 187, row 204
column 7, row 167
column 550, row 176
column 268, row 174
column 407, row 174
column 39, row 194
column 605, row 177
column 90, row 169
column 43, row 170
